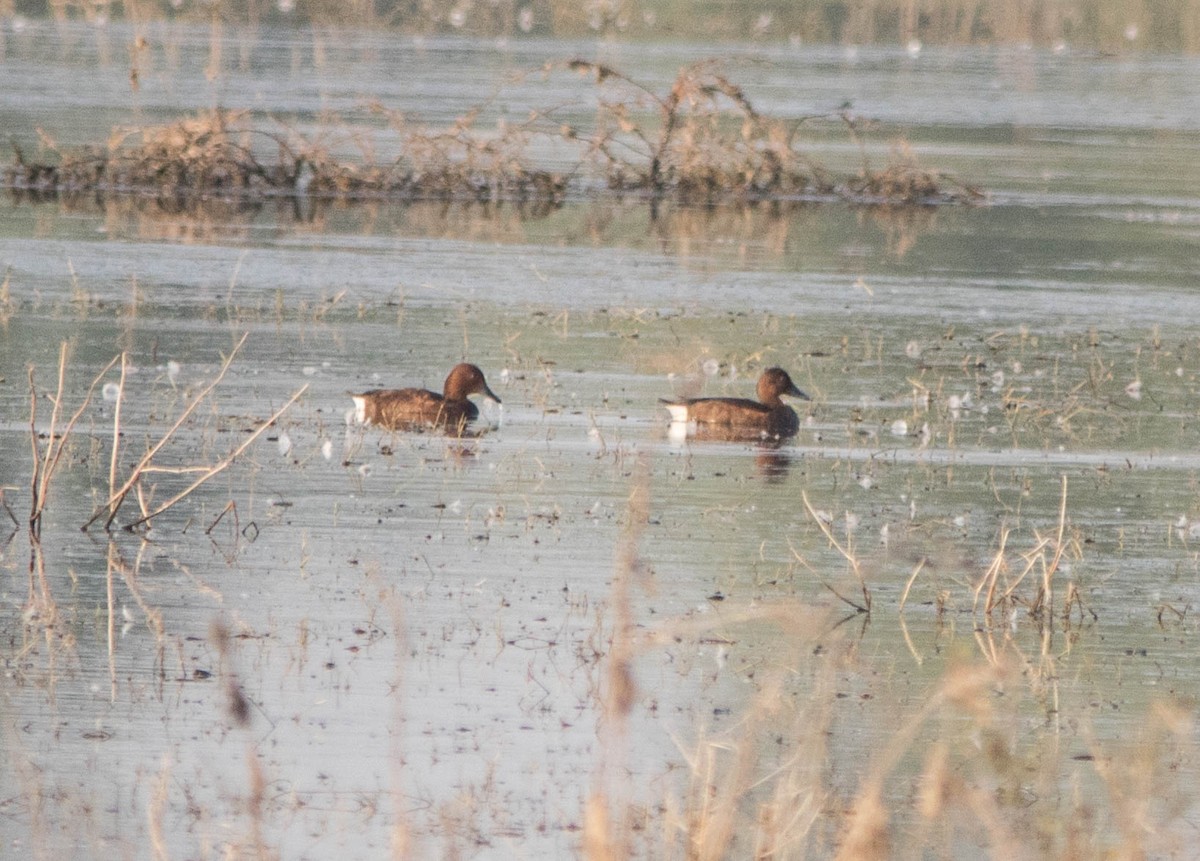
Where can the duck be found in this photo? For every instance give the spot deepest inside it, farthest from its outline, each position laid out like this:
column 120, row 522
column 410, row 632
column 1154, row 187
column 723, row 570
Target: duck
column 729, row 418
column 406, row 409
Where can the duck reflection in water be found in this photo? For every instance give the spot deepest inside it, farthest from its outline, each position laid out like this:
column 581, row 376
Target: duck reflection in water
column 772, row 460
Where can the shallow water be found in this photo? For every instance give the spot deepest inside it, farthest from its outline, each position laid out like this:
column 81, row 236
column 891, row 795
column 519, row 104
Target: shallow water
column 422, row 627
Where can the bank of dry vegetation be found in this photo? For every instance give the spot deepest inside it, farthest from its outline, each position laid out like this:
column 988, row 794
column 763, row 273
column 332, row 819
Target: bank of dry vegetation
column 702, row 142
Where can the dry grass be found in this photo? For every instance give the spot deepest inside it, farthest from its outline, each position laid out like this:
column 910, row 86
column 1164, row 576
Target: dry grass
column 980, row 759
column 213, row 155
column 987, row 781
column 701, row 142
column 47, row 456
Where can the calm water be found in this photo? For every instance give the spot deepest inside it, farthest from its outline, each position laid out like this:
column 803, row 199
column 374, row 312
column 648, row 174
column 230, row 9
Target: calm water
column 419, row 624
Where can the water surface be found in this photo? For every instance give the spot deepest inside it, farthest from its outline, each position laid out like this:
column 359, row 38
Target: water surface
column 422, row 628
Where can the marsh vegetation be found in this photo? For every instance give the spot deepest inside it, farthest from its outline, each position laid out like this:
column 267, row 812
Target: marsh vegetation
column 700, row 143
column 954, row 616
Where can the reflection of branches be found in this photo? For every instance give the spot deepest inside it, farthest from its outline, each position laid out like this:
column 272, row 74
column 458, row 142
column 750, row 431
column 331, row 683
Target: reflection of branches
column 129, row 574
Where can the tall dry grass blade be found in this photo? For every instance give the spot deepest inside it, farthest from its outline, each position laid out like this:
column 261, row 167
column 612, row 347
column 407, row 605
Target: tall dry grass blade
column 218, row 468
column 41, row 462
column 867, row 836
column 8, row 510
column 920, row 566
column 991, row 576
column 35, row 505
column 1048, row 574
column 904, row 624
column 1031, row 557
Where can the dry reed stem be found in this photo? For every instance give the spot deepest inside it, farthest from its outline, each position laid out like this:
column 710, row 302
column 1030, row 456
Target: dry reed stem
column 229, row 506
column 716, row 826
column 992, row 575
column 1048, row 574
column 116, row 443
column 920, row 566
column 900, row 616
column 849, row 556
column 45, row 466
column 111, row 622
column 113, row 505
column 719, row 804
column 216, row 469
column 1032, row 558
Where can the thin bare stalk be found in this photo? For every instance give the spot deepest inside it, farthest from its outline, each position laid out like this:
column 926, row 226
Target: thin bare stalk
column 1048, row 574
column 849, row 556
column 218, row 468
column 113, row 505
column 45, row 464
column 992, row 575
column 116, row 443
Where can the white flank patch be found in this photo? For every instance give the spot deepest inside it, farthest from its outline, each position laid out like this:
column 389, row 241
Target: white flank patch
column 360, row 408
column 679, row 412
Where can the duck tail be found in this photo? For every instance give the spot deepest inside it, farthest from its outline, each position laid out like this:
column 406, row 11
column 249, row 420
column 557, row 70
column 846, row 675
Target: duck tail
column 360, row 407
column 678, row 411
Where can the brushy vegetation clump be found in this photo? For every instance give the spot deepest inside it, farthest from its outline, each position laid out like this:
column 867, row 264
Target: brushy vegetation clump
column 214, row 154
column 702, row 142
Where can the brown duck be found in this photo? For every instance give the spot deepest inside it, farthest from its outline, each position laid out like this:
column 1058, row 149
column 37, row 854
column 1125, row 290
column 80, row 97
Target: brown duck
column 405, row 409
column 769, row 416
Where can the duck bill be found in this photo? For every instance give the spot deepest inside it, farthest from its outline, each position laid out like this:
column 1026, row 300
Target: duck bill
column 489, row 394
column 796, row 393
